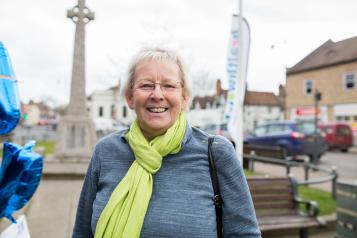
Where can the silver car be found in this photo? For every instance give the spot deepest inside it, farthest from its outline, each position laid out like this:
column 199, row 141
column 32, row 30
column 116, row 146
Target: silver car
column 218, row 129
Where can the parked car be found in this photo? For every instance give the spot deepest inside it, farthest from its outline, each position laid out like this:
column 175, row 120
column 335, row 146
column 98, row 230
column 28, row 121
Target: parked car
column 296, row 138
column 337, row 135
column 218, row 129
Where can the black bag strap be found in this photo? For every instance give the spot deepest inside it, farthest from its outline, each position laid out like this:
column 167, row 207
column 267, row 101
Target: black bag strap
column 217, row 195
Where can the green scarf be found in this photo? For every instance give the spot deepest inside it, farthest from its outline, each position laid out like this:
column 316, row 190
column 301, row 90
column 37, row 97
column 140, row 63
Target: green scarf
column 124, row 214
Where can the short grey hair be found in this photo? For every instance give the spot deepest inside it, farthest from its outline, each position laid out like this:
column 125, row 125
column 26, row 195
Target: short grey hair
column 158, row 54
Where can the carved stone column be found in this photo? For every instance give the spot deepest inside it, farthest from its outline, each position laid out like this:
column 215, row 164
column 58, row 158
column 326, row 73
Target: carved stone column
column 76, row 131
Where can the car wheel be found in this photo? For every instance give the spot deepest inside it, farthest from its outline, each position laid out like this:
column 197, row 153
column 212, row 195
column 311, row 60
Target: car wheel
column 344, row 150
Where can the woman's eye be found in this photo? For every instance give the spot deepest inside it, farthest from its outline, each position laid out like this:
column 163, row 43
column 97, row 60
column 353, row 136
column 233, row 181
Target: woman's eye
column 169, row 86
column 147, row 86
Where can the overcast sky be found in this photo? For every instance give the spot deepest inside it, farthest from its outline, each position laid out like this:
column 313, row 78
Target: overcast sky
column 40, row 38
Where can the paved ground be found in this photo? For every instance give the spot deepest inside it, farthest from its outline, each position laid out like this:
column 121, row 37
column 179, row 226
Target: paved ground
column 346, row 163
column 52, row 210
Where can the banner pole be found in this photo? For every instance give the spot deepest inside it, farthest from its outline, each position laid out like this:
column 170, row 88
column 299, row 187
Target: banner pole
column 240, row 90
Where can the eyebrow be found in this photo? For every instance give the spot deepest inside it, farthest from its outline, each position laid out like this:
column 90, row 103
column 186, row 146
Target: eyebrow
column 152, row 80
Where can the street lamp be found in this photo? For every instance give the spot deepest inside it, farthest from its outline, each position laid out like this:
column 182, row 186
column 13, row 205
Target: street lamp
column 317, row 98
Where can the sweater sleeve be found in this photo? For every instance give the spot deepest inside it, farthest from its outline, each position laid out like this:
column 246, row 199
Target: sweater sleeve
column 82, row 227
column 239, row 219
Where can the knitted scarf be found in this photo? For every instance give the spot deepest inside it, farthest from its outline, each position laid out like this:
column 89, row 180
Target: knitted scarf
column 124, row 214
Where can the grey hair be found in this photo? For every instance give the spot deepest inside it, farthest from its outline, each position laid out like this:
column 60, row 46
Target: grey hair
column 158, row 54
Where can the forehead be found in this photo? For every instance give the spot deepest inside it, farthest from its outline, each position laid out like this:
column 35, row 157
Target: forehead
column 157, row 68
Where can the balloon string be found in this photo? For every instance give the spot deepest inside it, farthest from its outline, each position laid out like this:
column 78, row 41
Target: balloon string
column 9, row 78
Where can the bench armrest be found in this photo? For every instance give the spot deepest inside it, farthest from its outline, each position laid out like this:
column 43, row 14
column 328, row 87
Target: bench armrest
column 311, row 207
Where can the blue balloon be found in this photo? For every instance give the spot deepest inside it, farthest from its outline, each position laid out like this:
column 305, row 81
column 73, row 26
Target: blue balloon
column 9, row 97
column 20, row 175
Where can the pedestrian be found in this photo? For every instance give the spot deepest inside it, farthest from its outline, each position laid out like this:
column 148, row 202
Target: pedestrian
column 153, row 179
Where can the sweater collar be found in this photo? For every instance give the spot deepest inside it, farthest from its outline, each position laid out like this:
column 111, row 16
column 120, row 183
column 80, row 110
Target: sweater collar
column 186, row 139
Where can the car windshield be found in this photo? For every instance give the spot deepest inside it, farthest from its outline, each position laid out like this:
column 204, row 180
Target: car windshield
column 307, row 128
column 223, row 127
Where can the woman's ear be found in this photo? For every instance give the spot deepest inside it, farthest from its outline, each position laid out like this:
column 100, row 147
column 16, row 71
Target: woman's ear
column 185, row 102
column 129, row 99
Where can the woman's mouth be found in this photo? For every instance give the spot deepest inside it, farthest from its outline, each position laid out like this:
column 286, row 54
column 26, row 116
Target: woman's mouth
column 157, row 109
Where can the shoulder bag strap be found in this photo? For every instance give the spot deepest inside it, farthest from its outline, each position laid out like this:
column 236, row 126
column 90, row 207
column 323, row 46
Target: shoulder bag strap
column 217, row 194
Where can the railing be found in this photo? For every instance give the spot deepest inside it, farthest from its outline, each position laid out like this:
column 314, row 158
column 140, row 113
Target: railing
column 331, row 173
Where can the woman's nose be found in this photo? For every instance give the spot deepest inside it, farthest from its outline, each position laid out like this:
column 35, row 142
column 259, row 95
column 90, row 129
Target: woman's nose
column 157, row 93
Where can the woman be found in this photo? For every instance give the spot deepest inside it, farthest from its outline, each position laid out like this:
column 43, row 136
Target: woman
column 153, row 180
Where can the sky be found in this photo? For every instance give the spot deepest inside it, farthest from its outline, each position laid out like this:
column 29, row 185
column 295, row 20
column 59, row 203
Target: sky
column 40, row 39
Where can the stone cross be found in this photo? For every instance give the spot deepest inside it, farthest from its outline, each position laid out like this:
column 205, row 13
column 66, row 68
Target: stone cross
column 76, row 131
column 80, row 15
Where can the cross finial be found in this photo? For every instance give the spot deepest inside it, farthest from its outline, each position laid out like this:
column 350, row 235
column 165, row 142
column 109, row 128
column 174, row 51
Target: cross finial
column 80, row 13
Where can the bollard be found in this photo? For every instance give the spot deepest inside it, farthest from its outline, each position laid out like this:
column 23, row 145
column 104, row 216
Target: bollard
column 306, row 168
column 334, row 180
column 251, row 161
column 288, row 169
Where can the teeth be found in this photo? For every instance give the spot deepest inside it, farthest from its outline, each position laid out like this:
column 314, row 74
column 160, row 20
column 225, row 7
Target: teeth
column 157, row 109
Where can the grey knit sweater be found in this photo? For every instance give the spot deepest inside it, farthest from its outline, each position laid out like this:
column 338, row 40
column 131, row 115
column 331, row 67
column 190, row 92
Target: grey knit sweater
column 182, row 201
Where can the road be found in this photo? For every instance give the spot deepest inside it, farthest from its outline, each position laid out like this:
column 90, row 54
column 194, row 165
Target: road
column 346, row 163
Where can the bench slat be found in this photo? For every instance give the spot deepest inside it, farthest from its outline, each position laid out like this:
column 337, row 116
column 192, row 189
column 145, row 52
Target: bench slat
column 275, row 206
column 273, row 190
column 271, row 197
column 286, row 222
column 274, row 213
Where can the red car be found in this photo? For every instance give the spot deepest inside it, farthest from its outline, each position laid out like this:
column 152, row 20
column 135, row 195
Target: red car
column 337, row 135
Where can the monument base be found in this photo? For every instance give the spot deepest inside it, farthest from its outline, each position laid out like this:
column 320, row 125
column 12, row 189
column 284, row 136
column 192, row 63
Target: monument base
column 75, row 139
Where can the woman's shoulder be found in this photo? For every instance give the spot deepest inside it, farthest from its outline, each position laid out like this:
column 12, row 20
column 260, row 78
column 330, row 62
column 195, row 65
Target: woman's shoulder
column 220, row 143
column 115, row 139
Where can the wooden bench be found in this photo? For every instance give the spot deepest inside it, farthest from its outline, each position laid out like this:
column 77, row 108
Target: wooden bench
column 268, row 152
column 277, row 205
column 265, row 151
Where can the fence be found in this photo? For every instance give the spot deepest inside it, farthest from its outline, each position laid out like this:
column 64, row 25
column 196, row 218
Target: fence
column 331, row 173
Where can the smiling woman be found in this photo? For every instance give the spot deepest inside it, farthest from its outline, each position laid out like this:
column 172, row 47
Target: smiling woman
column 153, row 179
column 157, row 107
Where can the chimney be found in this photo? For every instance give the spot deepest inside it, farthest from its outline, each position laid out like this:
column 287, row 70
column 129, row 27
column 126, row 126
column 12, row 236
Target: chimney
column 218, row 87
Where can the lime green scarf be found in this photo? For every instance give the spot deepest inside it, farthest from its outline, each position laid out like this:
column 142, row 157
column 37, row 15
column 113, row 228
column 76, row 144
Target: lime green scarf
column 124, row 214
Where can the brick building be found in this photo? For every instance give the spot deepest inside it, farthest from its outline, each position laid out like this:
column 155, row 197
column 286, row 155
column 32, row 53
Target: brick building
column 332, row 70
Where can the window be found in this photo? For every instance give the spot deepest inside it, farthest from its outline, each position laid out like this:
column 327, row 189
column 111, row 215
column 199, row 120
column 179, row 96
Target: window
column 260, row 131
column 355, row 118
column 100, row 111
column 308, row 87
column 327, row 129
column 339, row 118
column 275, row 129
column 343, row 131
column 306, row 127
column 349, row 81
column 112, row 111
column 269, row 109
column 124, row 111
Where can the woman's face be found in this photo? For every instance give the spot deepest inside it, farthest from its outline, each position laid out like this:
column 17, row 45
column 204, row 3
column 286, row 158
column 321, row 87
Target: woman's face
column 157, row 96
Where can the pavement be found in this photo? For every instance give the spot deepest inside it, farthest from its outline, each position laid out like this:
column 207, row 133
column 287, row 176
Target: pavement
column 51, row 212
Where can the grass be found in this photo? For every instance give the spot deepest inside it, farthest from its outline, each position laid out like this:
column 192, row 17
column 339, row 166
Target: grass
column 48, row 145
column 250, row 173
column 326, row 203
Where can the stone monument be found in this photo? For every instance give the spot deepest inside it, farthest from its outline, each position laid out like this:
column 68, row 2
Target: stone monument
column 76, row 132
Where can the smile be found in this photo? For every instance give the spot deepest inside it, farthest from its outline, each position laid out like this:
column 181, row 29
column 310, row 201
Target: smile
column 157, row 109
